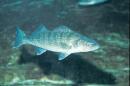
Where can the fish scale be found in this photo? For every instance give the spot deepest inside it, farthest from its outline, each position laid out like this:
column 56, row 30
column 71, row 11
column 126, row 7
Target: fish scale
column 58, row 37
column 67, row 36
column 43, row 40
column 63, row 37
column 46, row 38
column 50, row 38
column 53, row 38
column 70, row 35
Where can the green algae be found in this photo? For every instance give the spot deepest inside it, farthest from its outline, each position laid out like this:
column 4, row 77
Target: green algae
column 13, row 59
column 114, row 39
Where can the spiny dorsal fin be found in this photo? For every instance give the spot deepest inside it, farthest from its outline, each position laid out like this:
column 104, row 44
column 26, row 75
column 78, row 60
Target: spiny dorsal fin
column 62, row 28
column 40, row 29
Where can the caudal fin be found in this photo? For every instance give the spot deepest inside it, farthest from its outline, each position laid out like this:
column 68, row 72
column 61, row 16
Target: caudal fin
column 20, row 38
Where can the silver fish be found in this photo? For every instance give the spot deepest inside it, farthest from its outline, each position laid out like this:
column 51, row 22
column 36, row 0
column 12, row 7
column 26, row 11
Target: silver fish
column 62, row 40
column 90, row 2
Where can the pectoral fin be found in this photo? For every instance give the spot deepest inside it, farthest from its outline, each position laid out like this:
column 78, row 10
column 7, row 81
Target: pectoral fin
column 39, row 51
column 62, row 56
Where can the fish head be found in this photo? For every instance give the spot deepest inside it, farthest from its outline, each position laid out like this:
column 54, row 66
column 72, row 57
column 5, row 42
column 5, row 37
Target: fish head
column 85, row 45
column 91, row 46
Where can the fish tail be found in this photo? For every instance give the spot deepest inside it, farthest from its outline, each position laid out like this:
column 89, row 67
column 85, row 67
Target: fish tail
column 20, row 38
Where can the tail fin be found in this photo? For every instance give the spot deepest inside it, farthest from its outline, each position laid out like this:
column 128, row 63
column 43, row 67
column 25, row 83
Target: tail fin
column 20, row 38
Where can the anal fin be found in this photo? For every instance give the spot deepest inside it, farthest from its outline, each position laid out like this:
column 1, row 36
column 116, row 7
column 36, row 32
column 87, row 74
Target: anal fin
column 62, row 56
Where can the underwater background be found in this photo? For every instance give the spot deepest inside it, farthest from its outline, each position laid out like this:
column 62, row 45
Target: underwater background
column 107, row 23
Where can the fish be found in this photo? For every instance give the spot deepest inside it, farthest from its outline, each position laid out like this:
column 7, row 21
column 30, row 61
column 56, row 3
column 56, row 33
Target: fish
column 90, row 2
column 61, row 39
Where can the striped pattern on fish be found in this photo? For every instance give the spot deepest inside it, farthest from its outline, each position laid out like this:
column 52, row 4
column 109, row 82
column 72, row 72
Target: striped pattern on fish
column 61, row 39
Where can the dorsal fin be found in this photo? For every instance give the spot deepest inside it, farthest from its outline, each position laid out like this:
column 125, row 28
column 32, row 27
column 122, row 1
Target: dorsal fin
column 62, row 28
column 40, row 29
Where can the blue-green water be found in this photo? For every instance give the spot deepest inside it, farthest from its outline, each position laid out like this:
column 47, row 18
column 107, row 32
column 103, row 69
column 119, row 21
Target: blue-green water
column 107, row 23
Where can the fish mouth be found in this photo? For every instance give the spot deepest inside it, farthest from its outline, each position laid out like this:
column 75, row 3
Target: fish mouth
column 95, row 46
